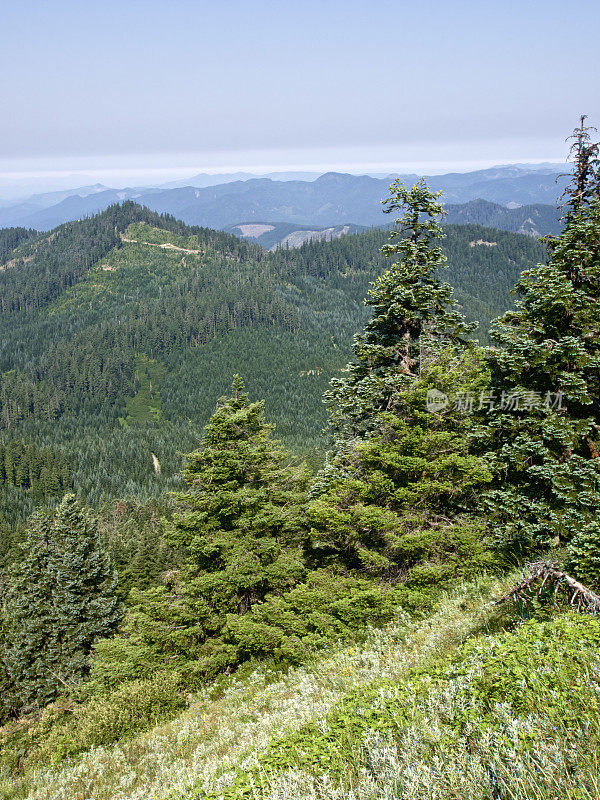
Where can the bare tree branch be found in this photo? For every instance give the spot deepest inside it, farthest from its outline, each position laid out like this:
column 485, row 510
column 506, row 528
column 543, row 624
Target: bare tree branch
column 547, row 572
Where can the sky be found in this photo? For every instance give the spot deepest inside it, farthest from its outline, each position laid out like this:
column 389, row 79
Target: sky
column 137, row 92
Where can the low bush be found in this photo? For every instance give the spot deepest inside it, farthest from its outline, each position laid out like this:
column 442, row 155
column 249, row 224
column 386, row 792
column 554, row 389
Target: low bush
column 555, row 662
column 132, row 707
column 324, row 609
column 66, row 729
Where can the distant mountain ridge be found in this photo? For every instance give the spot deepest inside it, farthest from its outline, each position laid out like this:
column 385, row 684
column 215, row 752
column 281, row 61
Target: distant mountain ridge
column 205, row 179
column 330, row 200
column 532, row 220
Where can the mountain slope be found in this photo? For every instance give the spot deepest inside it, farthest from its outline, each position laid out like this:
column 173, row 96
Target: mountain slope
column 119, row 332
column 464, row 700
column 533, row 220
column 286, row 234
column 42, row 216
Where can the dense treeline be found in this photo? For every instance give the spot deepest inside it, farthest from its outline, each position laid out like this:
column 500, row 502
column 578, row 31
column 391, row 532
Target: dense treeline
column 63, row 257
column 39, row 469
column 533, row 220
column 483, row 264
column 78, row 361
column 11, row 238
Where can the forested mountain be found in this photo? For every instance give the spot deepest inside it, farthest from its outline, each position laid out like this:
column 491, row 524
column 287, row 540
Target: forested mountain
column 43, row 216
column 536, row 220
column 10, row 238
column 120, row 331
column 332, row 199
column 533, row 220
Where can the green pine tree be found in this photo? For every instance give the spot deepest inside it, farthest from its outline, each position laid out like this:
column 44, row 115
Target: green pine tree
column 27, row 623
column 84, row 592
column 241, row 533
column 542, row 435
column 242, row 529
column 412, row 308
column 401, row 503
column 62, row 597
column 395, row 498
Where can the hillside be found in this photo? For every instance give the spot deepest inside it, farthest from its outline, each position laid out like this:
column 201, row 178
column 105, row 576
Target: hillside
column 286, row 234
column 533, row 220
column 270, row 631
column 119, row 333
column 456, row 701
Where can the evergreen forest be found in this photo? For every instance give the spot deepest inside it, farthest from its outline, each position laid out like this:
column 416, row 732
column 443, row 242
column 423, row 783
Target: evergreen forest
column 120, row 332
column 312, row 523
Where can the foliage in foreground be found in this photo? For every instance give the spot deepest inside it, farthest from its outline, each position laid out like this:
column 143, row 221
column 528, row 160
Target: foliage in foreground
column 66, row 728
column 398, row 498
column 461, row 703
column 236, row 716
column 510, row 715
column 239, row 531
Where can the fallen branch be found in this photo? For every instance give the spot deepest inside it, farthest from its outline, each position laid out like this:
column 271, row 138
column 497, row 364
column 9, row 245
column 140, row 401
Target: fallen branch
column 547, row 572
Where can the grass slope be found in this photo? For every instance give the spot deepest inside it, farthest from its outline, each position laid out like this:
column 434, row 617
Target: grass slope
column 458, row 705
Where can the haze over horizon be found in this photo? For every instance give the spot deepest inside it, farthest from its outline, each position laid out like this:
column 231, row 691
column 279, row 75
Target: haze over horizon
column 122, row 94
column 23, row 183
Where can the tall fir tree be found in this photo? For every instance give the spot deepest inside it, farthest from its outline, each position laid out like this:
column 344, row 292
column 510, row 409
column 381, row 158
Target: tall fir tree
column 241, row 533
column 242, row 529
column 62, row 597
column 542, row 435
column 27, row 623
column 393, row 500
column 412, row 308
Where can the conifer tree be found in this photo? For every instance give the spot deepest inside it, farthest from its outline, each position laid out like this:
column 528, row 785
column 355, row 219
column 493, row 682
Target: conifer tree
column 409, row 302
column 84, row 592
column 241, row 532
column 543, row 433
column 27, row 623
column 61, row 598
column 393, row 499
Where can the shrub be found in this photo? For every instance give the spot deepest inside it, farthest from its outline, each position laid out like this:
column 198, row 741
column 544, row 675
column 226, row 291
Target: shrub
column 324, row 609
column 539, row 662
column 102, row 720
column 119, row 660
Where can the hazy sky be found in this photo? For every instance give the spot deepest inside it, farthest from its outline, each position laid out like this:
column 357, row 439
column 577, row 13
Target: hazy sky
column 139, row 88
